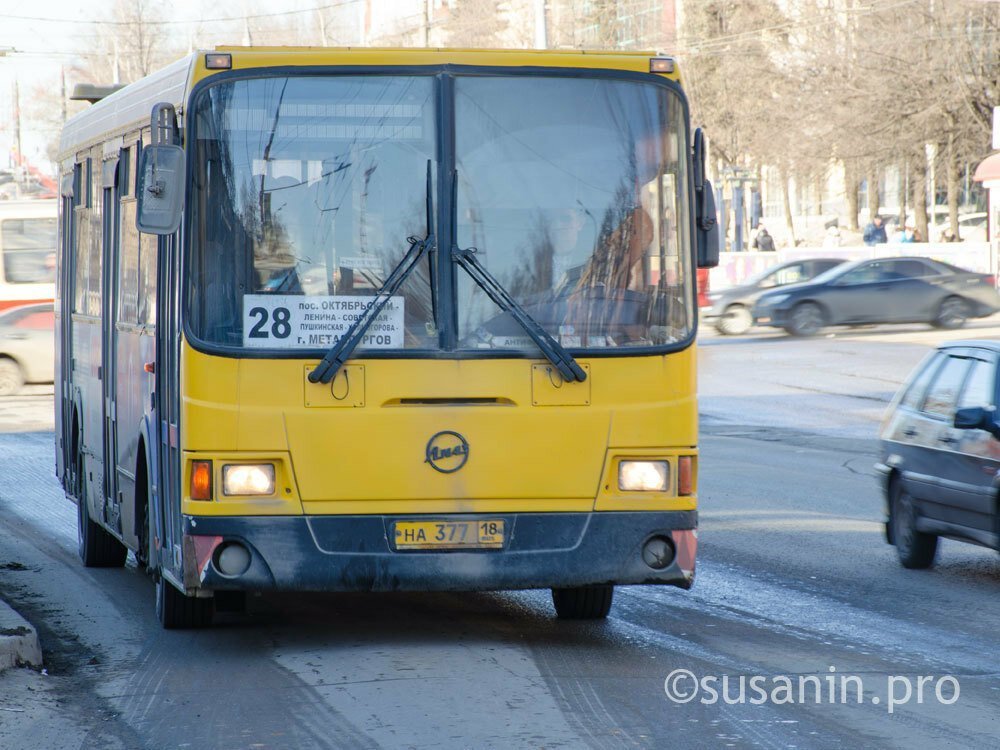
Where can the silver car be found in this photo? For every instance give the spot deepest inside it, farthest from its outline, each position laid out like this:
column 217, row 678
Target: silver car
column 27, row 346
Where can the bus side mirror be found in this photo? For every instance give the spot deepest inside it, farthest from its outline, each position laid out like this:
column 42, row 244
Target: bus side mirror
column 707, row 227
column 706, row 224
column 161, row 190
column 977, row 418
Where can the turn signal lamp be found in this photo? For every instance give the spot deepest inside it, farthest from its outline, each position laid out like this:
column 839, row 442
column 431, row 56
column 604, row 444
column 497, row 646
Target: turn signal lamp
column 201, row 480
column 643, row 476
column 248, row 479
column 684, row 475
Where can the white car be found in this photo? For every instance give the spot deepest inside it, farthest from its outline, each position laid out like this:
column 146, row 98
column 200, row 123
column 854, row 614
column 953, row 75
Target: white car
column 971, row 226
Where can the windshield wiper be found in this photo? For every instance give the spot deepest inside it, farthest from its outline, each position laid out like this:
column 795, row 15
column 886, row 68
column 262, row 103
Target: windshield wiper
column 553, row 351
column 341, row 351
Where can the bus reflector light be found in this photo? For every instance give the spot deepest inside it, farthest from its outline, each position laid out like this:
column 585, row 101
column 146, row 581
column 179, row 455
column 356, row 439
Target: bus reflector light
column 658, row 553
column 233, row 559
column 684, row 475
column 248, row 479
column 218, row 61
column 643, row 476
column 201, row 480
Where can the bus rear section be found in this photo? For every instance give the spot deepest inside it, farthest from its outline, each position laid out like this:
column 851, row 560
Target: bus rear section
column 433, row 328
column 27, row 252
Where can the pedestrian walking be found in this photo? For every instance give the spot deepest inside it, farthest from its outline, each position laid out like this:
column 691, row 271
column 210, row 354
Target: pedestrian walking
column 763, row 241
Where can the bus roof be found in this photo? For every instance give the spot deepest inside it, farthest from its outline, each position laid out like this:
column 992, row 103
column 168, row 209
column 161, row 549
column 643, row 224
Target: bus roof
column 130, row 107
column 446, row 50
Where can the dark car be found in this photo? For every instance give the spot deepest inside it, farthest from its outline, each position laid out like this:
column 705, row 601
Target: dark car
column 886, row 290
column 27, row 346
column 731, row 309
column 940, row 453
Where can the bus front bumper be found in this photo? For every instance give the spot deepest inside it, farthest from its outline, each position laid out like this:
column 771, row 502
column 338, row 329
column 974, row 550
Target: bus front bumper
column 358, row 553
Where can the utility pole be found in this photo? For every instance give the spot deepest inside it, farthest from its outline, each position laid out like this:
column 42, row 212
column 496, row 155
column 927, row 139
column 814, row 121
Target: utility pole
column 322, row 28
column 541, row 27
column 116, row 75
column 63, row 115
column 17, row 122
column 4, row 51
column 425, row 27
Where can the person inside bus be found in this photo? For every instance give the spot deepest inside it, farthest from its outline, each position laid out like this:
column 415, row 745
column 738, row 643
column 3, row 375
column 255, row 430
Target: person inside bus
column 610, row 295
column 616, row 263
column 565, row 233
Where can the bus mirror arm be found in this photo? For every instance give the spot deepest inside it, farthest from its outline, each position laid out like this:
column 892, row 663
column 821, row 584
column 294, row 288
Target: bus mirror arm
column 157, row 187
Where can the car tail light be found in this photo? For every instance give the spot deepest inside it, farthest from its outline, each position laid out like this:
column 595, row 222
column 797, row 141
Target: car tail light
column 991, row 280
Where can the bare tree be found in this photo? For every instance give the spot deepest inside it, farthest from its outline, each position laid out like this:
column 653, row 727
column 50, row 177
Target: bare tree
column 131, row 44
column 476, row 23
column 867, row 85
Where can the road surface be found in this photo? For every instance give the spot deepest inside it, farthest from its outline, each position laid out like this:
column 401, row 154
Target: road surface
column 794, row 579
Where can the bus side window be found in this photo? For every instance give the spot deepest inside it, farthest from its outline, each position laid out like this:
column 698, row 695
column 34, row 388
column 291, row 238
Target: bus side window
column 147, row 279
column 81, row 247
column 128, row 267
column 146, row 295
column 125, row 171
column 95, row 277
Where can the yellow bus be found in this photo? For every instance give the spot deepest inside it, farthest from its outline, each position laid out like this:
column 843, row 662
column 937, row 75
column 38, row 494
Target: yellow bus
column 378, row 320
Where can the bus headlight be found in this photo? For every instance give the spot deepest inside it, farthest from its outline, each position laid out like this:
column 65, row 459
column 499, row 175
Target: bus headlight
column 643, row 476
column 248, row 479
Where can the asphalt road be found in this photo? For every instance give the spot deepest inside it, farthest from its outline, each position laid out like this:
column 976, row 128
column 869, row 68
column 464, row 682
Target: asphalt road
column 794, row 579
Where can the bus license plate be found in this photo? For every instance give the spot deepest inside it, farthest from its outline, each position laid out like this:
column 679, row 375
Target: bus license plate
column 486, row 534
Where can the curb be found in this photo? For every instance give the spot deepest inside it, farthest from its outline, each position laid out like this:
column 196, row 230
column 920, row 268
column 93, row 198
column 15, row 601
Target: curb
column 18, row 641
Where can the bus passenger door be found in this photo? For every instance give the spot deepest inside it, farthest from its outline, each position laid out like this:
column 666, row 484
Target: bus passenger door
column 168, row 403
column 64, row 353
column 109, row 339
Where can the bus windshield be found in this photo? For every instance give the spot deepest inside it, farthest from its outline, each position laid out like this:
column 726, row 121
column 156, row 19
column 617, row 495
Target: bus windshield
column 572, row 190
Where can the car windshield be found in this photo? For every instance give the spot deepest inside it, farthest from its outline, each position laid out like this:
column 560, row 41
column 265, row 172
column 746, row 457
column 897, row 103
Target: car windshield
column 836, row 272
column 786, row 273
column 573, row 192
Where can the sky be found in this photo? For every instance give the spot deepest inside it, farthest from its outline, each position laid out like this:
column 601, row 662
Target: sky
column 38, row 38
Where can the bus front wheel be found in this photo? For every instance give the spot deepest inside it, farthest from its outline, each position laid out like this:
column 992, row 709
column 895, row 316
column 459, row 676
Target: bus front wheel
column 178, row 611
column 583, row 602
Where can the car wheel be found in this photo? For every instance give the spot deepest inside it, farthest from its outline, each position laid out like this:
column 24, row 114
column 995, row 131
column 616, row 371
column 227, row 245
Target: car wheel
column 734, row 321
column 583, row 602
column 916, row 549
column 11, row 377
column 806, row 319
column 953, row 313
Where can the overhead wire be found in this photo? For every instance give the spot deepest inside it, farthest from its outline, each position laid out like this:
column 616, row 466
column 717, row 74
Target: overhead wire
column 176, row 22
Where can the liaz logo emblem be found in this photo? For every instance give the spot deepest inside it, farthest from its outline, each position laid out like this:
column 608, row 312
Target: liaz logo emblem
column 447, row 452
